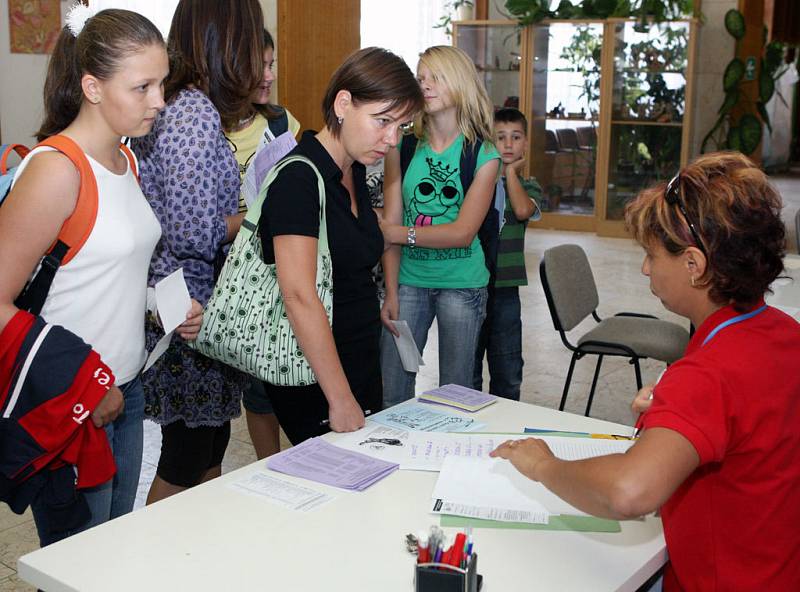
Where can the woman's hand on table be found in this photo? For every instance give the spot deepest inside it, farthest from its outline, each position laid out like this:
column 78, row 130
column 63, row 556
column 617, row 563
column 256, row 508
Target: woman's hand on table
column 526, row 455
column 346, row 415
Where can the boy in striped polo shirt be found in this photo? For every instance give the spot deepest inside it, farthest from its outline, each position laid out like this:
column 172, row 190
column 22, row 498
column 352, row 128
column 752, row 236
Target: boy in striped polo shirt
column 501, row 335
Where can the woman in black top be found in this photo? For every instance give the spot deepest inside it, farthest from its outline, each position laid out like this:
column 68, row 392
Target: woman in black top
column 370, row 97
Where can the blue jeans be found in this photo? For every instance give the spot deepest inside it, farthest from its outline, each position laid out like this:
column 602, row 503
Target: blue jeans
column 501, row 342
column 459, row 315
column 116, row 496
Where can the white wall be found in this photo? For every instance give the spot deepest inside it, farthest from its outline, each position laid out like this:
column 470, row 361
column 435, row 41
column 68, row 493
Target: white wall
column 20, row 86
column 715, row 48
column 22, row 78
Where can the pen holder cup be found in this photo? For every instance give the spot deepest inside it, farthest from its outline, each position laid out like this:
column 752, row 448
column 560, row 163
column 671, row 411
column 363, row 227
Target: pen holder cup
column 440, row 577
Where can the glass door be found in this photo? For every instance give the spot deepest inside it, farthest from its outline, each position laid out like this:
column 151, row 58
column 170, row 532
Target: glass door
column 564, row 120
column 648, row 108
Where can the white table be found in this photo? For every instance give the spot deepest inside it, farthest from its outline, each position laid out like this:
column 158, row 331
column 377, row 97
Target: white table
column 215, row 538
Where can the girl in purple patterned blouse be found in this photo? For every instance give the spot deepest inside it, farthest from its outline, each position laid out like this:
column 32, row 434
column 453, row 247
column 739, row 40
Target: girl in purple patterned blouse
column 191, row 179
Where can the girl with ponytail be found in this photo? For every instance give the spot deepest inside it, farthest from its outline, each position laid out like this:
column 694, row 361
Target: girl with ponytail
column 104, row 81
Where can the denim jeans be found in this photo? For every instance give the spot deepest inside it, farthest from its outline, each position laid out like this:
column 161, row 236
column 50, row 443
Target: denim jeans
column 459, row 315
column 501, row 342
column 116, row 496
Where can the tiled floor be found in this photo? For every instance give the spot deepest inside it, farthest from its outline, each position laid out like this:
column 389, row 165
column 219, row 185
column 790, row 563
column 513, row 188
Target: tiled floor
column 621, row 286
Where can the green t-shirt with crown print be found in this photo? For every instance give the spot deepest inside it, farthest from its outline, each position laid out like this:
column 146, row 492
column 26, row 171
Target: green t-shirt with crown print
column 432, row 194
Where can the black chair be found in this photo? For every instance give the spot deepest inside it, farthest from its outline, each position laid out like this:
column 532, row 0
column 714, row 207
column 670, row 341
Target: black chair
column 572, row 296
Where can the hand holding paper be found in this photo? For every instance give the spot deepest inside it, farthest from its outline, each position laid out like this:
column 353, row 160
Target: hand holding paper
column 173, row 304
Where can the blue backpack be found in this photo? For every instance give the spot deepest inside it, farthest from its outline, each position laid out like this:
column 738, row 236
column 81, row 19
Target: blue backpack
column 6, row 173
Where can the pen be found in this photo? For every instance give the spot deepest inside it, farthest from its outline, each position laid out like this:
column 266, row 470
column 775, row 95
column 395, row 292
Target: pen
column 637, row 428
column 422, row 548
column 325, row 422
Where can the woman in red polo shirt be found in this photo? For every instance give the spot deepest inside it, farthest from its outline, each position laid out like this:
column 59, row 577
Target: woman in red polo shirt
column 720, row 444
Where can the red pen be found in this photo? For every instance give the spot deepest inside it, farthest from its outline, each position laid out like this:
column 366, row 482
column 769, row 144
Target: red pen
column 422, row 548
column 458, row 550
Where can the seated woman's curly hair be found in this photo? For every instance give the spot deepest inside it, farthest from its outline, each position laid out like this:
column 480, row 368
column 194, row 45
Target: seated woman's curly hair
column 737, row 215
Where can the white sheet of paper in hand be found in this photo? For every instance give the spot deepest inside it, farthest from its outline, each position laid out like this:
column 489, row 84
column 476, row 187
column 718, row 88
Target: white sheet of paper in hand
column 488, row 483
column 172, row 300
column 407, row 347
column 159, row 349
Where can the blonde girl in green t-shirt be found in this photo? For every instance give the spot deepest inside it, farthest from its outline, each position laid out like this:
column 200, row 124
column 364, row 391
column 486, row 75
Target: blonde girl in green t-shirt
column 435, row 266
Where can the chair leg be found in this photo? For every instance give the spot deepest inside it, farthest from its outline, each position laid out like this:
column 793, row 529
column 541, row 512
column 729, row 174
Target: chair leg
column 569, row 379
column 638, row 372
column 594, row 384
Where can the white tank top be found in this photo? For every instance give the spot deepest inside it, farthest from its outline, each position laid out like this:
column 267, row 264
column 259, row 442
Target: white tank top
column 100, row 295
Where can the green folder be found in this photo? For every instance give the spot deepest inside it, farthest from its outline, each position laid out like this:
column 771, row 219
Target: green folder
column 562, row 522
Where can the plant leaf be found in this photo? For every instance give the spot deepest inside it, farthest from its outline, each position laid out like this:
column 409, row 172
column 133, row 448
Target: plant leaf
column 734, row 72
column 731, row 98
column 734, row 139
column 750, row 130
column 762, row 111
column 734, row 23
column 766, row 85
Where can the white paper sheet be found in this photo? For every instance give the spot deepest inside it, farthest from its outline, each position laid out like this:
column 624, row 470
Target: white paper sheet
column 499, row 514
column 283, row 493
column 419, row 416
column 161, row 346
column 172, row 300
column 407, row 347
column 264, row 160
column 495, row 483
column 487, row 483
column 419, row 451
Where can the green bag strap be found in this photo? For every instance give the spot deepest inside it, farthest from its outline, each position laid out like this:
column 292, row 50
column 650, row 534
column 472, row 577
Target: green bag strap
column 250, row 222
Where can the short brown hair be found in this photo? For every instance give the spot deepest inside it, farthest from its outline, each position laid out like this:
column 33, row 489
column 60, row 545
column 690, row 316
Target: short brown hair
column 373, row 75
column 737, row 214
column 217, row 46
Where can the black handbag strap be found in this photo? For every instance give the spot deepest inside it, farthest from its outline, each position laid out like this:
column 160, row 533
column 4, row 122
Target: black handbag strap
column 35, row 292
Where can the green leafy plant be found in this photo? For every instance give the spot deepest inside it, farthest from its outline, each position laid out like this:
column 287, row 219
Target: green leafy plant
column 446, row 20
column 646, row 11
column 739, row 119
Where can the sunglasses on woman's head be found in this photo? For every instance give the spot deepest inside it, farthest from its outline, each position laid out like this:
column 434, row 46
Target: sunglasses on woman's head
column 672, row 195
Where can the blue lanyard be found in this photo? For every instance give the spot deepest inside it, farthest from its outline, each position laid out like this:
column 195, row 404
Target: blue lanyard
column 733, row 321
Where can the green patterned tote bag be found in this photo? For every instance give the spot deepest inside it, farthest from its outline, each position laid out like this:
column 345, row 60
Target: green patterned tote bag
column 245, row 323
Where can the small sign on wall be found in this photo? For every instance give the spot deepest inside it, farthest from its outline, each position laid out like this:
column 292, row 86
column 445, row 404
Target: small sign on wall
column 34, row 25
column 750, row 68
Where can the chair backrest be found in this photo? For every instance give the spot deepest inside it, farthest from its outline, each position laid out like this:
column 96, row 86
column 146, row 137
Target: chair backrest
column 550, row 141
column 568, row 285
column 567, row 138
column 587, row 137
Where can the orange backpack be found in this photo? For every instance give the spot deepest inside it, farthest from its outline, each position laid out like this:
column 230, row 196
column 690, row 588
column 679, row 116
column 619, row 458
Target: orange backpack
column 75, row 230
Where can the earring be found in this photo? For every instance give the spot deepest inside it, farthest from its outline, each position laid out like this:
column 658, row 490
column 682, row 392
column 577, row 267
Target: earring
column 340, row 120
column 692, row 281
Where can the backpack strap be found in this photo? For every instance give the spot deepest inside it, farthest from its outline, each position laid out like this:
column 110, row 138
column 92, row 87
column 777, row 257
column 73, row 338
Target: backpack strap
column 469, row 160
column 77, row 228
column 6, row 151
column 279, row 125
column 74, row 232
column 408, row 145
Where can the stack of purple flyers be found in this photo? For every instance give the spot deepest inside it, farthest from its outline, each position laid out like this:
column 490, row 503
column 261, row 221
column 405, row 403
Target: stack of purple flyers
column 317, row 460
column 459, row 397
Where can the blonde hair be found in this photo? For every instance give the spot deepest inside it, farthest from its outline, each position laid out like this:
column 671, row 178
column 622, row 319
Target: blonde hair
column 453, row 68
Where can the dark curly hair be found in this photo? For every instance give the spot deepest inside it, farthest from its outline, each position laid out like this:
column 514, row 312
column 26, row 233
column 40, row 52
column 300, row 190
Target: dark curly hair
column 737, row 213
